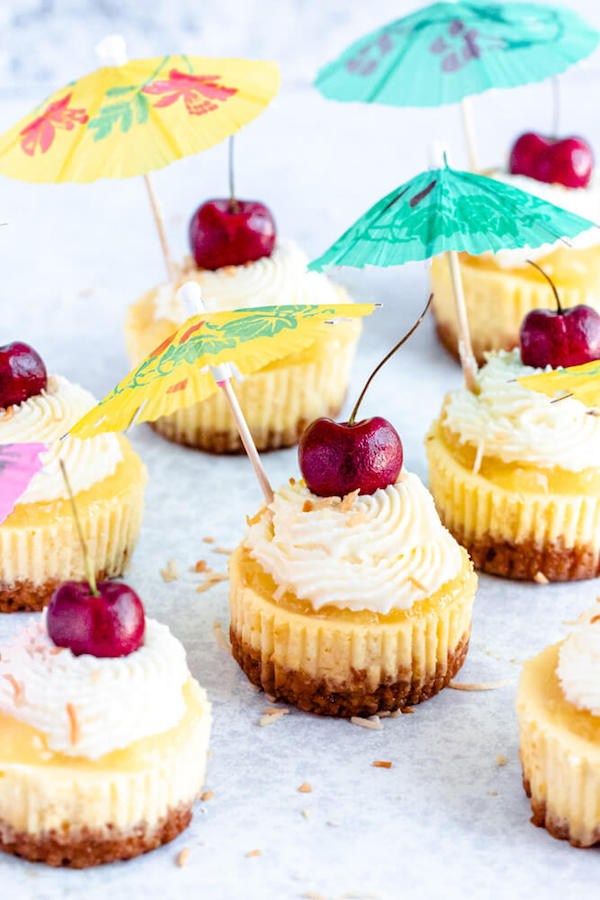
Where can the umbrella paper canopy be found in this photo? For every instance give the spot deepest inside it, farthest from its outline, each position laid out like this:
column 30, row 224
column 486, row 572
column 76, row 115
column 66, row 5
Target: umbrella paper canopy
column 447, row 51
column 580, row 382
column 446, row 209
column 177, row 374
column 130, row 119
column 18, row 464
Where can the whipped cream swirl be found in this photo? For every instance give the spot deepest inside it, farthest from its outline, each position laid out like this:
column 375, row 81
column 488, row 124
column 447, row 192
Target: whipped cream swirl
column 578, row 669
column 516, row 424
column 47, row 417
column 383, row 551
column 86, row 706
column 281, row 278
column 583, row 202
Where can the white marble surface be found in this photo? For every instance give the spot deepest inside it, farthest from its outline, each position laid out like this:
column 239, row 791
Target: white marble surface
column 445, row 819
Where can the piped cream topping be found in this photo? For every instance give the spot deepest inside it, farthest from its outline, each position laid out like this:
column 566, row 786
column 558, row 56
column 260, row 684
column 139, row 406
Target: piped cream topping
column 279, row 279
column 47, row 417
column 583, row 202
column 578, row 668
column 86, row 706
column 515, row 424
column 377, row 552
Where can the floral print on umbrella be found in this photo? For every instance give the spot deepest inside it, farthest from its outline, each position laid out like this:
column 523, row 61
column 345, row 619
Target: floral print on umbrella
column 42, row 131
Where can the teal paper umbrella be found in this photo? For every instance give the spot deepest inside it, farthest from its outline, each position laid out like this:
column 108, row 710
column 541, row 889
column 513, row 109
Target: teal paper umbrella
column 448, row 211
column 449, row 51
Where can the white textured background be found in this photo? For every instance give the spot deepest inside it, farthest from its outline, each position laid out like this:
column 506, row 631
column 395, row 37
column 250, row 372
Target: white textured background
column 446, row 820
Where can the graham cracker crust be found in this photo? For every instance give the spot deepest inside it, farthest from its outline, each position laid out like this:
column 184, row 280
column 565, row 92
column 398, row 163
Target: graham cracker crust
column 229, row 442
column 447, row 336
column 356, row 699
column 523, row 561
column 558, row 828
column 90, row 847
column 25, row 596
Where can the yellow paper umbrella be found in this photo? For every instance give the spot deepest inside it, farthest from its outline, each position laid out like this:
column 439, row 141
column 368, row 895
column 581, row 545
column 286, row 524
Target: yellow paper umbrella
column 581, row 382
column 201, row 356
column 129, row 118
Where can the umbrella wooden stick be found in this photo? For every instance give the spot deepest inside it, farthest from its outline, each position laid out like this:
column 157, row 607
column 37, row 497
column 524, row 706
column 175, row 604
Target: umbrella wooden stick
column 467, row 115
column 465, row 349
column 112, row 51
column 191, row 296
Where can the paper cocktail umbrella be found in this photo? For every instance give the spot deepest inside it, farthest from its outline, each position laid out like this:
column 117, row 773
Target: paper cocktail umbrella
column 448, row 211
column 18, row 464
column 447, row 52
column 580, row 382
column 129, row 118
column 200, row 358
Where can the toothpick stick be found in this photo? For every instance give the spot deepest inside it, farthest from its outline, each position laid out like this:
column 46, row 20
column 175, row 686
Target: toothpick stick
column 465, row 349
column 466, row 110
column 87, row 562
column 162, row 236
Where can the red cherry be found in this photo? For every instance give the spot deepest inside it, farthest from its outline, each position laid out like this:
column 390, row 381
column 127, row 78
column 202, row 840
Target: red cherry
column 109, row 625
column 22, row 373
column 337, row 458
column 568, row 161
column 560, row 337
column 228, row 232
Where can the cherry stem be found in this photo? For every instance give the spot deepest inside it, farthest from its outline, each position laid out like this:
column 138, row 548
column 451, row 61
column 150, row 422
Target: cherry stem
column 551, row 283
column 385, row 359
column 232, row 201
column 89, row 569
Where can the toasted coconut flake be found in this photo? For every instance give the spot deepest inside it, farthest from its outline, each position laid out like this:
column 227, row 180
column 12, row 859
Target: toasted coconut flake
column 416, row 583
column 333, row 824
column 206, row 796
column 478, row 457
column 348, row 501
column 254, row 853
column 75, row 732
column 170, row 572
column 292, row 482
column 219, row 636
column 312, row 895
column 502, row 760
column 276, row 709
column 405, row 711
column 18, row 689
column 373, row 722
column 8, row 413
column 482, row 686
column 305, row 788
column 223, row 550
column 308, row 506
column 211, row 579
column 208, row 540
column 382, row 764
column 201, row 566
column 540, row 578
column 255, row 519
column 279, row 592
column 269, row 718
column 183, row 857
column 492, row 793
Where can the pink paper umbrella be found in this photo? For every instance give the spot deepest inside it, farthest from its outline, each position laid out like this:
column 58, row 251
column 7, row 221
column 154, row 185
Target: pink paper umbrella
column 18, row 464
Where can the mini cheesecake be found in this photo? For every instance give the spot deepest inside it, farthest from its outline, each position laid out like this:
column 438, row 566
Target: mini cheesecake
column 101, row 758
column 280, row 399
column 350, row 606
column 558, row 707
column 39, row 545
column 516, row 478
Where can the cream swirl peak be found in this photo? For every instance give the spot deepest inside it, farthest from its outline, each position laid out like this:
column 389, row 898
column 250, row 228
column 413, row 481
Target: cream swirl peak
column 578, row 668
column 84, row 706
column 583, row 202
column 516, row 424
column 47, row 417
column 383, row 551
column 278, row 279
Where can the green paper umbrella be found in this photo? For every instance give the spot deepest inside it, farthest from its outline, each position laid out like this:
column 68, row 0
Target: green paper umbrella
column 446, row 52
column 448, row 211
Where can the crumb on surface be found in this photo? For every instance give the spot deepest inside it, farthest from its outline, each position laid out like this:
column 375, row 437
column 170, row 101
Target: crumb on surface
column 208, row 540
column 220, row 637
column 382, row 764
column 254, row 853
column 183, row 857
column 502, row 760
column 201, row 566
column 211, row 579
column 223, row 550
column 205, row 796
column 540, row 578
column 305, row 788
column 170, row 572
column 373, row 722
column 271, row 717
column 407, row 710
column 482, row 686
